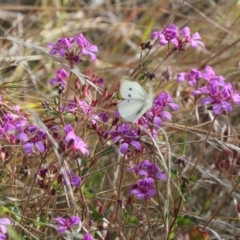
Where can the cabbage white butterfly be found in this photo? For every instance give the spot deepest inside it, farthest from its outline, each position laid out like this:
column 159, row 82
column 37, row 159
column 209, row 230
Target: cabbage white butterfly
column 136, row 101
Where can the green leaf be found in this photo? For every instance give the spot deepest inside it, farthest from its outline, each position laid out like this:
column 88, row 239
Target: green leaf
column 186, row 220
column 184, row 187
column 132, row 221
column 85, row 170
column 174, row 174
column 89, row 194
column 55, row 100
column 13, row 234
column 96, row 216
column 9, row 207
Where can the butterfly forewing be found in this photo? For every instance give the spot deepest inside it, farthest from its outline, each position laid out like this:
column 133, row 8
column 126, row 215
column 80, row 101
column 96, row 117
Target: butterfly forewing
column 132, row 90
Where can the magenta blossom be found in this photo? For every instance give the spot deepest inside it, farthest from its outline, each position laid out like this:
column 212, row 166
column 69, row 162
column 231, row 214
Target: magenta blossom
column 86, row 47
column 194, row 40
column 75, row 143
column 192, row 77
column 157, row 114
column 3, row 223
column 88, row 236
column 66, row 223
column 220, row 97
column 61, row 47
column 148, row 169
column 33, row 136
column 209, row 75
column 170, row 34
column 74, row 180
column 144, row 189
column 127, row 137
column 88, row 111
column 61, row 75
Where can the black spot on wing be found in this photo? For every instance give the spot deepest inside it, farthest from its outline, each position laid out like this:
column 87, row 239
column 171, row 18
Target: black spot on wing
column 140, row 110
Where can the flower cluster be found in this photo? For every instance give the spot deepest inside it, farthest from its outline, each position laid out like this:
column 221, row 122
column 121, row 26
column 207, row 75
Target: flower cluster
column 157, row 114
column 179, row 40
column 64, row 48
column 145, row 188
column 215, row 90
column 127, row 137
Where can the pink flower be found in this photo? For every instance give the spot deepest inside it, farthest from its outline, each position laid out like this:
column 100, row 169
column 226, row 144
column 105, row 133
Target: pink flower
column 74, row 142
column 3, row 223
column 194, row 40
column 61, row 74
column 66, row 223
column 86, row 47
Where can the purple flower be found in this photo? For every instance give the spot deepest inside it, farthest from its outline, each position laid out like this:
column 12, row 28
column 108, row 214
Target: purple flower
column 88, row 236
column 220, row 97
column 87, row 110
column 63, row 45
column 32, row 137
column 104, row 117
column 71, row 106
column 3, row 223
column 86, row 47
column 157, row 113
column 74, row 180
column 170, row 34
column 74, row 142
column 210, row 76
column 61, row 74
column 147, row 169
column 192, row 77
column 194, row 40
column 66, row 223
column 99, row 82
column 13, row 122
column 126, row 136
column 144, row 189
column 2, row 236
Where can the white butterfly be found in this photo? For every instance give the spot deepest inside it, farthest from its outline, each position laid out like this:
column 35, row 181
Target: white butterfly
column 136, row 101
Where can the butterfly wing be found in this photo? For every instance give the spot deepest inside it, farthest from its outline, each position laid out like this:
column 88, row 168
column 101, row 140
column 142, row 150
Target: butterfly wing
column 132, row 90
column 131, row 110
column 136, row 102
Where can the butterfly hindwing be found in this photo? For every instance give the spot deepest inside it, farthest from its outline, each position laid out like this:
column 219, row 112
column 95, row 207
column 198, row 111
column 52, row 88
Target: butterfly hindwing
column 131, row 109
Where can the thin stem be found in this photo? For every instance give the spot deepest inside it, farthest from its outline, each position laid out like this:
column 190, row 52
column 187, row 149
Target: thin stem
column 135, row 232
column 120, row 186
column 194, row 167
column 229, row 194
column 68, row 88
column 201, row 150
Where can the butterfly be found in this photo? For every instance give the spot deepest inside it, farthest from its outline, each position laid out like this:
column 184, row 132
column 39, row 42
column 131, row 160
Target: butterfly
column 136, row 100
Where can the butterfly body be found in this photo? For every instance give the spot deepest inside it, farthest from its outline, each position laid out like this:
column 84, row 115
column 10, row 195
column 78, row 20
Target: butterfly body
column 136, row 100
